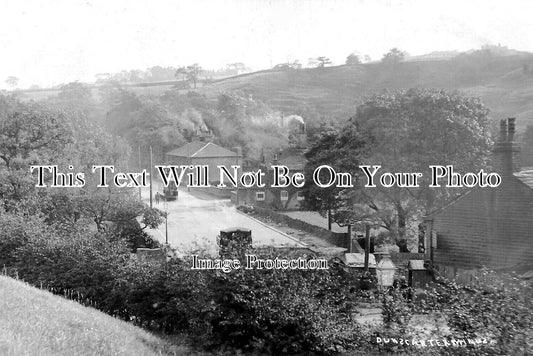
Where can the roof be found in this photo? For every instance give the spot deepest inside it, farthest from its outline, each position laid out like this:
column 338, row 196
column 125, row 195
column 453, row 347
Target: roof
column 416, row 265
column 235, row 229
column 202, row 149
column 525, row 177
column 293, row 159
column 293, row 162
column 187, row 150
column 358, row 260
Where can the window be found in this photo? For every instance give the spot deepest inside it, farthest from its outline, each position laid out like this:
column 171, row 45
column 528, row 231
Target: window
column 259, row 196
column 284, row 195
column 300, row 195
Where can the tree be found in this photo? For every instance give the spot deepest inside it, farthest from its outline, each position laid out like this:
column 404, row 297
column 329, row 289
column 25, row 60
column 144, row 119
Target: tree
column 102, row 77
column 193, row 73
column 394, row 56
column 12, row 81
column 181, row 73
column 407, row 131
column 319, row 62
column 353, row 59
column 31, row 131
column 341, row 148
column 74, row 92
column 115, row 207
column 236, row 68
column 412, row 130
column 159, row 74
column 289, row 65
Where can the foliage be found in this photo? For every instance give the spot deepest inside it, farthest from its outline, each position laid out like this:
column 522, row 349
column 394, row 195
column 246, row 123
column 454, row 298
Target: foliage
column 407, row 131
column 15, row 185
column 279, row 312
column 353, row 59
column 12, row 81
column 174, row 119
column 192, row 73
column 84, row 262
column 31, row 132
column 288, row 65
column 341, row 148
column 40, row 323
column 394, row 56
column 247, row 123
column 93, row 145
column 496, row 307
column 256, row 310
column 264, row 311
column 17, row 230
column 320, row 62
column 73, row 92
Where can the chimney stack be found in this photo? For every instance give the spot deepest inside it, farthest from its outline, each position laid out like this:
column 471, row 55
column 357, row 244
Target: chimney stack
column 302, row 136
column 506, row 152
column 503, row 130
column 510, row 128
column 275, row 160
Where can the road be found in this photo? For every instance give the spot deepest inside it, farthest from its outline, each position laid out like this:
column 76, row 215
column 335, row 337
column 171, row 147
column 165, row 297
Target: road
column 194, row 223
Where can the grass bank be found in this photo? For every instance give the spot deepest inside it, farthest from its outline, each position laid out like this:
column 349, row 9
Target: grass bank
column 36, row 322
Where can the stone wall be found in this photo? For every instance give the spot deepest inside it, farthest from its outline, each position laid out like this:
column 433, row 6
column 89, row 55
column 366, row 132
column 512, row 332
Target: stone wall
column 337, row 239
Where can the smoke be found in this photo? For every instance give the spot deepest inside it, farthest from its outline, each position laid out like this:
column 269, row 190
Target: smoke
column 195, row 118
column 295, row 117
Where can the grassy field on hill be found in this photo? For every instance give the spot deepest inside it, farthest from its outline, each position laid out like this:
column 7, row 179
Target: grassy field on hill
column 35, row 322
column 504, row 83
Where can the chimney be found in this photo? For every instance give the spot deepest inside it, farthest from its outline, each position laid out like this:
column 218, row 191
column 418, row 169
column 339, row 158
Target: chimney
column 510, row 128
column 302, row 137
column 506, row 152
column 238, row 155
column 263, row 159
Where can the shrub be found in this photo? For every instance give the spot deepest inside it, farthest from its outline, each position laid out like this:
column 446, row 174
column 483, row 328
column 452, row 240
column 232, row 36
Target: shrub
column 279, row 311
column 84, row 263
column 16, row 231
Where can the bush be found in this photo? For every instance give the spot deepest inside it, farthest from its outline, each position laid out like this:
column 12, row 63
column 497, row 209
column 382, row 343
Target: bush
column 260, row 311
column 167, row 297
column 18, row 230
column 279, row 311
column 84, row 263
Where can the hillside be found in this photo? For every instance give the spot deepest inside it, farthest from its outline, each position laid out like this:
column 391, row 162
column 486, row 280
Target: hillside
column 504, row 81
column 35, row 322
column 505, row 84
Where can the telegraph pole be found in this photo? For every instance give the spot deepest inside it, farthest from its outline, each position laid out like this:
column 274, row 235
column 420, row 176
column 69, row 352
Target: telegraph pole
column 150, row 176
column 367, row 246
column 140, row 166
column 166, row 222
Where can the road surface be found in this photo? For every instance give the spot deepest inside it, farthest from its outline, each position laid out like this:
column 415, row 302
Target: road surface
column 194, row 223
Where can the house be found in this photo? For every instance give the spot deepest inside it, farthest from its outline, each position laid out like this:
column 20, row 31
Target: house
column 201, row 153
column 288, row 198
column 490, row 227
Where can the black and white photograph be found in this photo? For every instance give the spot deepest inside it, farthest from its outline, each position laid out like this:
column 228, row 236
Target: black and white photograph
column 266, row 177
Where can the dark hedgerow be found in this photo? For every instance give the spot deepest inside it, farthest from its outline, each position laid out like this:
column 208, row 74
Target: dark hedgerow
column 264, row 311
column 281, row 311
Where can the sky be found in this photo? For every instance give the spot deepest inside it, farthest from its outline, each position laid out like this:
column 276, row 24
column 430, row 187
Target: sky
column 48, row 42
